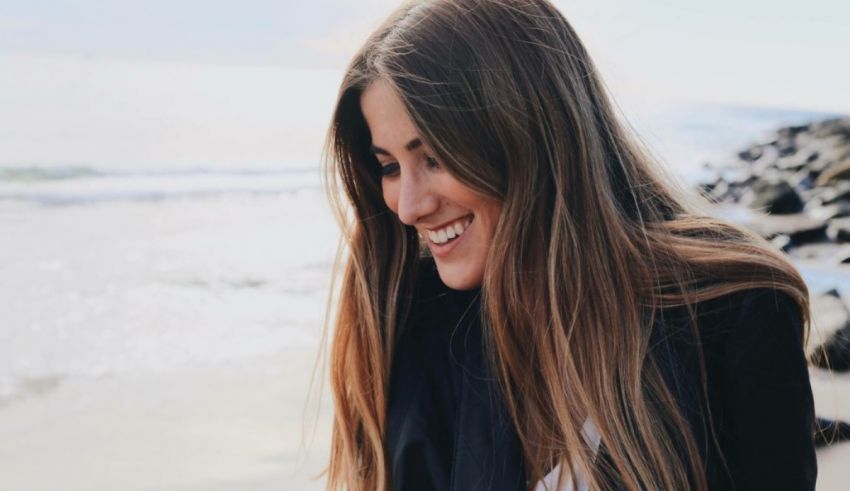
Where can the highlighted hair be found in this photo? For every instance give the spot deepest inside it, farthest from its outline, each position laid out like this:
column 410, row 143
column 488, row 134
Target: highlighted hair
column 593, row 239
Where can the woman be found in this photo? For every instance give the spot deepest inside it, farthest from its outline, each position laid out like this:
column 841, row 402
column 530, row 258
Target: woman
column 526, row 301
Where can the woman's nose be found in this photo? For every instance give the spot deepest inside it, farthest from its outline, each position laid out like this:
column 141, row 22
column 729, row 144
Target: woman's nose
column 417, row 198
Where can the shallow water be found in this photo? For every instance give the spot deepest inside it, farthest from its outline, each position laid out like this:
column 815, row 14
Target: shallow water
column 114, row 270
column 100, row 279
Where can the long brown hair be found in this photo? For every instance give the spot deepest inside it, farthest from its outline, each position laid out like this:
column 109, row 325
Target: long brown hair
column 593, row 239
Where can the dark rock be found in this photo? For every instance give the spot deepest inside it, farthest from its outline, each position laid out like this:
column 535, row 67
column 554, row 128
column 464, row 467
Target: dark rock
column 835, row 210
column 839, row 192
column 728, row 192
column 838, row 171
column 798, row 160
column 775, row 197
column 767, row 159
column 830, row 150
column 835, row 353
column 802, row 179
column 829, row 343
column 816, row 168
column 838, row 229
column 782, row 242
column 751, row 154
column 706, row 189
column 830, row 127
column 720, row 190
column 786, row 148
column 736, row 175
column 789, row 132
column 833, row 294
column 799, row 228
column 830, row 432
column 823, row 252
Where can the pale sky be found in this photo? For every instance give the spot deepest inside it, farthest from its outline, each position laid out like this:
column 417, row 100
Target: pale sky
column 250, row 83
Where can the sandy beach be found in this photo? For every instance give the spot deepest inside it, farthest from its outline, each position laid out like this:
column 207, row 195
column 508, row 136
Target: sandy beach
column 222, row 427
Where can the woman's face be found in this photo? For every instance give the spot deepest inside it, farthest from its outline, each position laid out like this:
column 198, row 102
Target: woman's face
column 456, row 222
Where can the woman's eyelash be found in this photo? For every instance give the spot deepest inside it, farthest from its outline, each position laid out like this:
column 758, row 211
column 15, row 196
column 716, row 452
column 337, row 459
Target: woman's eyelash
column 392, row 167
column 389, row 169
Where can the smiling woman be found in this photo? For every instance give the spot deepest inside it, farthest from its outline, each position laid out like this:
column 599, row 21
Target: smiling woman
column 456, row 221
column 525, row 301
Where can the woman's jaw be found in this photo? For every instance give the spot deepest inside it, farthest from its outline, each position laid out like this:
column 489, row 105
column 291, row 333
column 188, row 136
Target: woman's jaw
column 460, row 260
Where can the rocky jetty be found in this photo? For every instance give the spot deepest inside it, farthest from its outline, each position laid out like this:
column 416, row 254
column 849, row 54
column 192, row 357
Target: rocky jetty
column 799, row 179
column 797, row 184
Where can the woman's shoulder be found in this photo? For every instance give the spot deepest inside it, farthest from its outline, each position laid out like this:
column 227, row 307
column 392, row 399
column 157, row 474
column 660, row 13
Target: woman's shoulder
column 765, row 393
column 754, row 331
column 742, row 314
column 757, row 383
column 764, row 324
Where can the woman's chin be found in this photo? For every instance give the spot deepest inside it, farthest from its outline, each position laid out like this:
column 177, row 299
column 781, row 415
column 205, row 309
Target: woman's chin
column 458, row 278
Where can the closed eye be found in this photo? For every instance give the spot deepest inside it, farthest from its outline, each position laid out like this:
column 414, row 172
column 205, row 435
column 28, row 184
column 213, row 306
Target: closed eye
column 389, row 169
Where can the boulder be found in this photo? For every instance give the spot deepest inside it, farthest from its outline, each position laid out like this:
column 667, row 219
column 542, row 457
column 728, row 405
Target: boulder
column 767, row 157
column 834, row 194
column 835, row 210
column 782, row 242
column 790, row 132
column 800, row 228
column 829, row 340
column 829, row 432
column 775, row 197
column 838, row 229
column 830, row 127
column 751, row 154
column 835, row 353
column 802, row 180
column 838, row 171
column 824, row 252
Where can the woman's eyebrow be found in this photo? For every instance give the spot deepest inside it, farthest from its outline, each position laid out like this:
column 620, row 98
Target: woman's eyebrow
column 410, row 146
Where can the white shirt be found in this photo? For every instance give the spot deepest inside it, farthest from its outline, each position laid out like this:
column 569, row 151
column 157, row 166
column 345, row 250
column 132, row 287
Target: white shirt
column 548, row 483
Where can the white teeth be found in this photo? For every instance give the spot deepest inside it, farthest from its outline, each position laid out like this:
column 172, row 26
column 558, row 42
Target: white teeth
column 449, row 232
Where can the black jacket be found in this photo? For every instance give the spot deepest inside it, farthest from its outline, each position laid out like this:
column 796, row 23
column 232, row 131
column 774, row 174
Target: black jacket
column 447, row 427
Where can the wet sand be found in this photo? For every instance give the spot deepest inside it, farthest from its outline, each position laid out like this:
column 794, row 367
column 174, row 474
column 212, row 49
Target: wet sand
column 217, row 427
column 222, row 427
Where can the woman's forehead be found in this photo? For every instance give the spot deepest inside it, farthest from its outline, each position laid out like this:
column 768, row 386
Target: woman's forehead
column 390, row 125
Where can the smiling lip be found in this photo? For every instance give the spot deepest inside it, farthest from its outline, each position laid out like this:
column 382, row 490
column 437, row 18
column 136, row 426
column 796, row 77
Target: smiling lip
column 438, row 227
column 442, row 250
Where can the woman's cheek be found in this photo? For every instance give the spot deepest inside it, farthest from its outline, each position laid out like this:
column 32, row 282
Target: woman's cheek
column 390, row 192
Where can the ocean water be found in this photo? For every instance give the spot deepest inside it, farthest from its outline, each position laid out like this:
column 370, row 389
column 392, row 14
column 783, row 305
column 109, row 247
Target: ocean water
column 105, row 271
